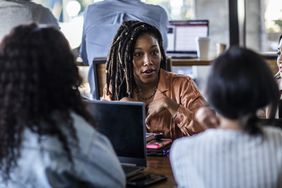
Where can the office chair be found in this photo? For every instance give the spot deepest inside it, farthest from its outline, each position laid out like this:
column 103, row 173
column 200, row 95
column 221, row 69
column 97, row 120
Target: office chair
column 99, row 76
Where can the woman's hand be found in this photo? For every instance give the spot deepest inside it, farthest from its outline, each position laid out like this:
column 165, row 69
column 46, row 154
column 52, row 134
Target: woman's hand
column 159, row 105
column 127, row 99
column 207, row 117
column 279, row 81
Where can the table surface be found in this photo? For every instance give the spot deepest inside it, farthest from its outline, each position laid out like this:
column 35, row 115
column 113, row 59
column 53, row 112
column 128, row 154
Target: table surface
column 161, row 165
column 190, row 62
column 199, row 62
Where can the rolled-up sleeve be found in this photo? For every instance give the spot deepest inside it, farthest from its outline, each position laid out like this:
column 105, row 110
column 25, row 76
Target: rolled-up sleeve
column 190, row 100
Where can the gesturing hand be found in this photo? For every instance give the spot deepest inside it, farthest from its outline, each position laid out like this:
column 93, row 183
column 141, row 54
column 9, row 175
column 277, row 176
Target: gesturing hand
column 127, row 99
column 158, row 106
column 154, row 108
column 207, row 117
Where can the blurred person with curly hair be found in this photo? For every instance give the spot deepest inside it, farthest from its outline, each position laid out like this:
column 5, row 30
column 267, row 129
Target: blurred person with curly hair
column 47, row 136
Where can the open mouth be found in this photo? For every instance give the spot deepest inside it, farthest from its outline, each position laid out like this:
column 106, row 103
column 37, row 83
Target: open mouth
column 149, row 72
column 280, row 68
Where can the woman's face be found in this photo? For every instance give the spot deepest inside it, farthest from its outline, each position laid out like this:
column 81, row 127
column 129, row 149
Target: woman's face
column 146, row 60
column 279, row 57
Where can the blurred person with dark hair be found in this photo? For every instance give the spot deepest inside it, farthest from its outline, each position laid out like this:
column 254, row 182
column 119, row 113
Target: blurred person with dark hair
column 136, row 72
column 243, row 151
column 45, row 130
column 16, row 12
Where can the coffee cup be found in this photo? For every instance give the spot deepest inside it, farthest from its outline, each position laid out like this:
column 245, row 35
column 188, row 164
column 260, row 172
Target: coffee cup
column 220, row 48
column 203, row 47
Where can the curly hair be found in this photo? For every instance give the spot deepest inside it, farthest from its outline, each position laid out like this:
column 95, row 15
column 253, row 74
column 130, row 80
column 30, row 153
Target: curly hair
column 119, row 69
column 38, row 78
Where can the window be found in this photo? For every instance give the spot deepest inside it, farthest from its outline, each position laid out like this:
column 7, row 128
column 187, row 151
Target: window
column 176, row 9
column 272, row 19
column 69, row 13
column 263, row 19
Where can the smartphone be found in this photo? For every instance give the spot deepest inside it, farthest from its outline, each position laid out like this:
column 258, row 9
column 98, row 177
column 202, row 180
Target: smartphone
column 144, row 180
column 158, row 144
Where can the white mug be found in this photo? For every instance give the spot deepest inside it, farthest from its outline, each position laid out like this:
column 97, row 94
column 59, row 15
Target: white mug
column 203, row 47
column 220, row 48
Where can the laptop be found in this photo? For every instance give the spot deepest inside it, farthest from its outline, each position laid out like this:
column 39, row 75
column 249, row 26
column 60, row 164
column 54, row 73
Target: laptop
column 182, row 36
column 123, row 124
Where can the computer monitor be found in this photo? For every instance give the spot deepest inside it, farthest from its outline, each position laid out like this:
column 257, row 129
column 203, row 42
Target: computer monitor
column 182, row 35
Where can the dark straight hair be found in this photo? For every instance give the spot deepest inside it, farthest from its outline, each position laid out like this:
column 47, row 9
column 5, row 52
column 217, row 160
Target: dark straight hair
column 240, row 83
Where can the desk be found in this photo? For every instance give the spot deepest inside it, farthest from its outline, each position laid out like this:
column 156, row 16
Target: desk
column 161, row 165
column 190, row 62
column 197, row 62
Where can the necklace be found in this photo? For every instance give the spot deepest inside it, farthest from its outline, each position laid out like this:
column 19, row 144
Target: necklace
column 149, row 97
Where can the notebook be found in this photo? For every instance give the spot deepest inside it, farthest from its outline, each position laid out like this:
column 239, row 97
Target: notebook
column 123, row 124
column 182, row 36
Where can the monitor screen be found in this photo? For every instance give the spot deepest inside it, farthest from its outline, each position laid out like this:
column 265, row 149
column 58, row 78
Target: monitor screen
column 182, row 34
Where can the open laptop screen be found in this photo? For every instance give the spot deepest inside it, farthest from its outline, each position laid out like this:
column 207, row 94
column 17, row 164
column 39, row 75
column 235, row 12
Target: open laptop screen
column 123, row 124
column 183, row 33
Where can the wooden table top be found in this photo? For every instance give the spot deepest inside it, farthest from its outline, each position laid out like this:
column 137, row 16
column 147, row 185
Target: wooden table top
column 190, row 62
column 161, row 165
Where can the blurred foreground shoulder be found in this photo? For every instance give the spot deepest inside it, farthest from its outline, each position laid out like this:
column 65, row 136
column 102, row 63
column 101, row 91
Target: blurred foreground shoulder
column 102, row 159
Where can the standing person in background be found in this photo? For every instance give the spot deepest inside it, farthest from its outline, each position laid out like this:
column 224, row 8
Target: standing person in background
column 16, row 12
column 56, row 7
column 242, row 151
column 135, row 72
column 102, row 20
column 45, row 130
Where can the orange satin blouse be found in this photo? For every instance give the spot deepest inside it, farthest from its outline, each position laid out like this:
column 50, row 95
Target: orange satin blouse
column 181, row 89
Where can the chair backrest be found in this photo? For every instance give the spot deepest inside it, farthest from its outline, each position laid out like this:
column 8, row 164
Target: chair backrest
column 168, row 64
column 99, row 66
column 100, row 74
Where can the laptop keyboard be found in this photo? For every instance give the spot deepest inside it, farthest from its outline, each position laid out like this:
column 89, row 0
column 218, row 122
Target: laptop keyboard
column 128, row 169
column 131, row 170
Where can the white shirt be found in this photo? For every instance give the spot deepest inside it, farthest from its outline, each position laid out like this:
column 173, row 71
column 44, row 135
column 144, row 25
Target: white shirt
column 95, row 161
column 221, row 158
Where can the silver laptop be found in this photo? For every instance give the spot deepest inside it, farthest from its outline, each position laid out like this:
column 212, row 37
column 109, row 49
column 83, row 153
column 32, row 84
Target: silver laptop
column 182, row 36
column 123, row 124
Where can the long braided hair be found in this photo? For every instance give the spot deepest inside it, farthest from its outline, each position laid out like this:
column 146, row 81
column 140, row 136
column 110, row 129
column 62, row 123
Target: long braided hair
column 120, row 80
column 39, row 83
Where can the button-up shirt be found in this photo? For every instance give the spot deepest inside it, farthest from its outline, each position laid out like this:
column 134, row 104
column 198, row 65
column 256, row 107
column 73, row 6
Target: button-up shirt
column 183, row 91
